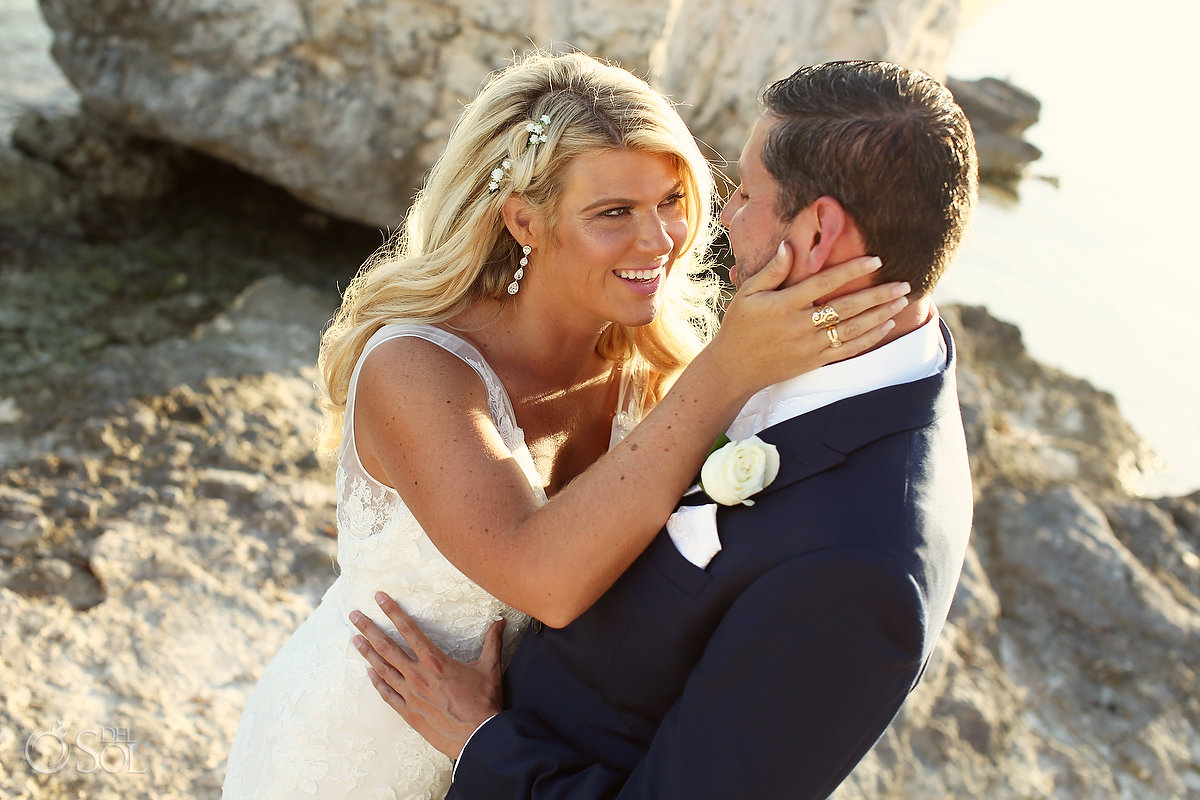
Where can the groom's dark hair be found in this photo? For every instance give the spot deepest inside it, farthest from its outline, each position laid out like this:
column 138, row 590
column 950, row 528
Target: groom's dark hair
column 888, row 143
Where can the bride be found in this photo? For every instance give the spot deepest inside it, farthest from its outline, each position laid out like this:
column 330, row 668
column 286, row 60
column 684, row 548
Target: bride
column 547, row 289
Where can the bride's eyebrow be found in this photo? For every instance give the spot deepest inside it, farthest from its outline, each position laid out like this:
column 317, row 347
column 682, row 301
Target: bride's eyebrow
column 607, row 201
column 626, row 201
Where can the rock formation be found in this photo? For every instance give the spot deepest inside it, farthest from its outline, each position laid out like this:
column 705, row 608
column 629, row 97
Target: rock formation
column 166, row 525
column 346, row 103
column 999, row 113
column 343, row 102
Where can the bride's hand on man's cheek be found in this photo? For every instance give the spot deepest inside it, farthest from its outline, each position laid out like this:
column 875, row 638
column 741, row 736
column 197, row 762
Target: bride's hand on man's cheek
column 442, row 699
column 770, row 334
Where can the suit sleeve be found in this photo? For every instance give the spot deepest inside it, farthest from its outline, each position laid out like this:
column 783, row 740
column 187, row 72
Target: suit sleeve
column 800, row 678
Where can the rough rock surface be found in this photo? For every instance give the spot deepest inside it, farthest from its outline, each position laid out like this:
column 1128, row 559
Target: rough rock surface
column 999, row 113
column 347, row 102
column 107, row 239
column 1069, row 663
column 166, row 526
column 163, row 535
column 343, row 102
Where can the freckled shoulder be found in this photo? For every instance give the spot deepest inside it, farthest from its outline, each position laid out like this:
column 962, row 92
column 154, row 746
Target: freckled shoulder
column 416, row 400
column 417, row 375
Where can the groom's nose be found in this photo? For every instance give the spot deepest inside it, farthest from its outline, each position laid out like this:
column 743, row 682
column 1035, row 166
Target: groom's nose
column 730, row 207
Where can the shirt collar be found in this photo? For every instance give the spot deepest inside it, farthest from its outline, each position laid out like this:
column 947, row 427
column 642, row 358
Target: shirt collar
column 913, row 356
column 900, row 361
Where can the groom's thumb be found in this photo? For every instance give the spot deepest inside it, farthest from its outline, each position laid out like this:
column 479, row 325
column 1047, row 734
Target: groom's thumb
column 492, row 643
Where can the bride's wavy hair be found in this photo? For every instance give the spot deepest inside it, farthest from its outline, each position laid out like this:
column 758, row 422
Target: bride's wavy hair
column 454, row 249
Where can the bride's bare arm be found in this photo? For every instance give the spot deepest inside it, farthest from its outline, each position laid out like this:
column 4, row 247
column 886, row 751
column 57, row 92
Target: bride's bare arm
column 422, row 415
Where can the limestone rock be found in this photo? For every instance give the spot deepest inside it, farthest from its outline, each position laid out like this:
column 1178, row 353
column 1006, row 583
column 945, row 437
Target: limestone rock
column 21, row 519
column 1000, row 113
column 343, row 102
column 189, row 517
column 1035, row 426
column 346, row 103
column 110, row 163
column 30, row 189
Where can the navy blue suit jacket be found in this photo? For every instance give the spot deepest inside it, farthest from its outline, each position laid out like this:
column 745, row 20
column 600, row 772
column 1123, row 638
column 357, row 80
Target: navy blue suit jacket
column 774, row 670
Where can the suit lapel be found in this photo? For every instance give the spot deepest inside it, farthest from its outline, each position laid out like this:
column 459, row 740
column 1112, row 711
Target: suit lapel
column 821, row 439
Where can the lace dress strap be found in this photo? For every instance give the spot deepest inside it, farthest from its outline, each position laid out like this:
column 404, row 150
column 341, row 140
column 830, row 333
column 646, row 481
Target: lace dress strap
column 499, row 405
column 631, row 401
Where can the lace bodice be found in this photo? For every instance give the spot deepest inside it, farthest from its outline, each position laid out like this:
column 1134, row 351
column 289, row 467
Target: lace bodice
column 379, row 538
column 314, row 726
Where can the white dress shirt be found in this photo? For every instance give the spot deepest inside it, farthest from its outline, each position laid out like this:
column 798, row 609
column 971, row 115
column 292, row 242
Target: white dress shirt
column 916, row 355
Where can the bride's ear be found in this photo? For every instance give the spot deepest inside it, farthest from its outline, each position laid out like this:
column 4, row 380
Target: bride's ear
column 522, row 221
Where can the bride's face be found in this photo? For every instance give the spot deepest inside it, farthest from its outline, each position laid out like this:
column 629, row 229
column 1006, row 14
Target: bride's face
column 620, row 226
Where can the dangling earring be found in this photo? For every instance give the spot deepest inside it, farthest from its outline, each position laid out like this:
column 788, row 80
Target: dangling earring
column 515, row 286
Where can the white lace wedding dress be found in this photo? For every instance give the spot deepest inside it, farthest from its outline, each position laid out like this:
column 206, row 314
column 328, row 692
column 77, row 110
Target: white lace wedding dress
column 314, row 726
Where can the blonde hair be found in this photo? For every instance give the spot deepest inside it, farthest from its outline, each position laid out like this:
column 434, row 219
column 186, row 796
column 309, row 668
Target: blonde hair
column 454, row 249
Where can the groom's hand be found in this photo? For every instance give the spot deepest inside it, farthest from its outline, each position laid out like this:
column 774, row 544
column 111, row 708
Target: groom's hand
column 442, row 699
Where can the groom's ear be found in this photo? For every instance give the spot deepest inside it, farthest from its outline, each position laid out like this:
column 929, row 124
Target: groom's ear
column 814, row 234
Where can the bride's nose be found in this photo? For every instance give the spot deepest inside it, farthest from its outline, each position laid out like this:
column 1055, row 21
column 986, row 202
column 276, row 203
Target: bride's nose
column 654, row 235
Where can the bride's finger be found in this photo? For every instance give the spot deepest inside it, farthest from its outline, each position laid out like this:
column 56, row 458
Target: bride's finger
column 830, row 279
column 844, row 345
column 858, row 334
column 888, row 299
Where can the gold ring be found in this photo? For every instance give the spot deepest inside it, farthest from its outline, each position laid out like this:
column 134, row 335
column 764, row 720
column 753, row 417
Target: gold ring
column 832, row 333
column 825, row 317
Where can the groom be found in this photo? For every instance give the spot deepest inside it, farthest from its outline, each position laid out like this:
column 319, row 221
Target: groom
column 770, row 668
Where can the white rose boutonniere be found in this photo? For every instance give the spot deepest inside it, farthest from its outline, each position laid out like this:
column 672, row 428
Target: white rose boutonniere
column 738, row 470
